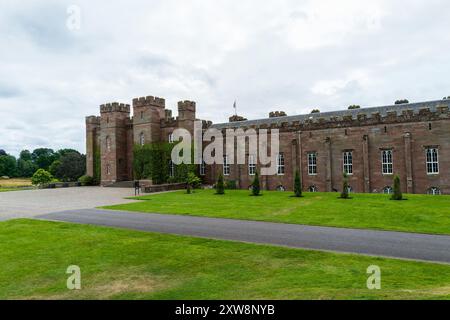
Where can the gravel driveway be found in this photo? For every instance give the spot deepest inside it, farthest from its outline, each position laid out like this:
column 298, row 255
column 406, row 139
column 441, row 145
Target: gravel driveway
column 30, row 203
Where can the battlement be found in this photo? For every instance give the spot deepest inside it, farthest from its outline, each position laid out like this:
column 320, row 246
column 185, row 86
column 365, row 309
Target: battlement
column 186, row 106
column 93, row 120
column 277, row 114
column 417, row 112
column 149, row 101
column 114, row 107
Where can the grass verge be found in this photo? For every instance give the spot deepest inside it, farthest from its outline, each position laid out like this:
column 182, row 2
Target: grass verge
column 122, row 264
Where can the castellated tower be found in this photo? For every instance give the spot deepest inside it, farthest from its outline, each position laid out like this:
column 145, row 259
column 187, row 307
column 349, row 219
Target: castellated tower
column 115, row 142
column 147, row 115
column 92, row 145
column 186, row 115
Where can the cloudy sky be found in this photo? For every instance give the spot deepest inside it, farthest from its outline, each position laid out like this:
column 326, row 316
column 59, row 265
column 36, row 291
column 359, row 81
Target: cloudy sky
column 290, row 55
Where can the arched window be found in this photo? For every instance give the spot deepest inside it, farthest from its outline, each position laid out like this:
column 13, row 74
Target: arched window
column 108, row 169
column 434, row 191
column 388, row 190
column 281, row 188
column 142, row 139
column 312, row 189
column 108, row 144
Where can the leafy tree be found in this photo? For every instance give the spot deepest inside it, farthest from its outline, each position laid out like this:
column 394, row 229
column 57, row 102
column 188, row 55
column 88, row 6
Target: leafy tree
column 41, row 177
column 344, row 194
column 220, row 188
column 256, row 187
column 397, row 195
column 69, row 167
column 315, row 111
column 402, row 101
column 297, row 185
column 192, row 182
column 3, row 152
column 25, row 155
column 354, row 106
column 62, row 152
column 44, row 157
column 25, row 168
column 54, row 168
column 8, row 166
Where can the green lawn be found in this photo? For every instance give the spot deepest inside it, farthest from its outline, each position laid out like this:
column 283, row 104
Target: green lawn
column 420, row 213
column 122, row 264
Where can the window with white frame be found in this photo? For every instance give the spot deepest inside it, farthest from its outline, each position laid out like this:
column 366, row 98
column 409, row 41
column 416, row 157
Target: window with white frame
column 432, row 161
column 142, row 139
column 280, row 164
column 171, row 169
column 434, row 191
column 226, row 166
column 348, row 162
column 170, row 137
column 387, row 162
column 312, row 164
column 203, row 168
column 251, row 165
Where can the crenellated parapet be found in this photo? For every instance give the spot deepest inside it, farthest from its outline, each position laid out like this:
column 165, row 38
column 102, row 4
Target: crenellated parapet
column 419, row 112
column 93, row 120
column 115, row 107
column 186, row 106
column 149, row 101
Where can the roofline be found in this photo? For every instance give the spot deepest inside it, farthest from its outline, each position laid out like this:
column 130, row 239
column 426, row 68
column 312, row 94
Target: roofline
column 354, row 112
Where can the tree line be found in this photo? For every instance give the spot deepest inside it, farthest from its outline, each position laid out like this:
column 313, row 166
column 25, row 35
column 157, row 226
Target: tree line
column 63, row 164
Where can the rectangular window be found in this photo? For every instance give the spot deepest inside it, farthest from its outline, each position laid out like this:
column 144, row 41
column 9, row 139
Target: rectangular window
column 251, row 165
column 226, row 166
column 203, row 168
column 312, row 164
column 432, row 161
column 171, row 169
column 348, row 162
column 386, row 161
column 280, row 164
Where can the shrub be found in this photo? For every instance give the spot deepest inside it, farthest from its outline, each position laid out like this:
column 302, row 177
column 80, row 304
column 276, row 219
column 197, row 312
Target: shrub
column 297, row 185
column 256, row 188
column 354, row 107
column 230, row 185
column 344, row 194
column 397, row 195
column 402, row 101
column 41, row 177
column 220, row 188
column 192, row 181
column 315, row 111
column 86, row 180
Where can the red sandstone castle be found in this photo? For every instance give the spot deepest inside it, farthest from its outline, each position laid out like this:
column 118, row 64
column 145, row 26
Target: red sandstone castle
column 370, row 144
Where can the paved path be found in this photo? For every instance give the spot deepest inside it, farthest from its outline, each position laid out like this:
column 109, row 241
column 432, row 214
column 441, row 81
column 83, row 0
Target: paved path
column 29, row 203
column 378, row 243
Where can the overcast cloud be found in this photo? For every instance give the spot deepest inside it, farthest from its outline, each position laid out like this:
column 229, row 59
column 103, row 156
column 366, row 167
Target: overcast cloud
column 269, row 55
